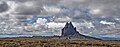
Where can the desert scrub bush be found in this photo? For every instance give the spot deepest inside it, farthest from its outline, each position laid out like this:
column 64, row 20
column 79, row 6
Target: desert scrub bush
column 43, row 41
column 74, row 43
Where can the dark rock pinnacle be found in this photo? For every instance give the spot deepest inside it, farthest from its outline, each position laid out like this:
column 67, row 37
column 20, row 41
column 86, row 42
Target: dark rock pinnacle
column 69, row 31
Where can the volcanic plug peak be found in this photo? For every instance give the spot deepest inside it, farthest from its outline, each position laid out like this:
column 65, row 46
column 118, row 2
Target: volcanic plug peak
column 69, row 31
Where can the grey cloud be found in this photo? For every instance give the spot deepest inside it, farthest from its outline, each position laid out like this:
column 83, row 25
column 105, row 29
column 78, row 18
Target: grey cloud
column 107, row 7
column 3, row 7
column 28, row 11
column 37, row 7
column 76, row 11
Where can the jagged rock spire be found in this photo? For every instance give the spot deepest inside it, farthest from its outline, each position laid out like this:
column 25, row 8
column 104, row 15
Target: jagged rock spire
column 66, row 25
column 70, row 31
column 69, row 25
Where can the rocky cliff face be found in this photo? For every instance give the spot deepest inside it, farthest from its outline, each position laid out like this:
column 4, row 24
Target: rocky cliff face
column 69, row 31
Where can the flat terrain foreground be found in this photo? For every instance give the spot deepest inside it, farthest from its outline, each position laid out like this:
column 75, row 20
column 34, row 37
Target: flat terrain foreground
column 40, row 42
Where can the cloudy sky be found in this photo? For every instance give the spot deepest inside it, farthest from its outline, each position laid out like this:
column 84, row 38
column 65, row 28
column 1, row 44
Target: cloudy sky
column 48, row 17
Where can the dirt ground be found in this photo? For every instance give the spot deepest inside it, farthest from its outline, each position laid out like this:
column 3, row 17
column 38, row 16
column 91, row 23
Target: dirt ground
column 42, row 42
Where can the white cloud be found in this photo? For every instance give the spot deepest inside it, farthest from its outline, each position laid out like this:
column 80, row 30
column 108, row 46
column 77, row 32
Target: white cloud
column 95, row 11
column 51, row 9
column 29, row 4
column 63, row 19
column 41, row 21
column 105, row 22
column 55, row 25
column 84, row 24
column 12, row 6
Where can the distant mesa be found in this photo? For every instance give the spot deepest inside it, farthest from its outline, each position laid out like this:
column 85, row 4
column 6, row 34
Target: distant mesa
column 70, row 32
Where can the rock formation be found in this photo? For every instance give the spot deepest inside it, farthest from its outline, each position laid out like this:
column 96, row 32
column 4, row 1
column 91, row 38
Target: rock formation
column 69, row 31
